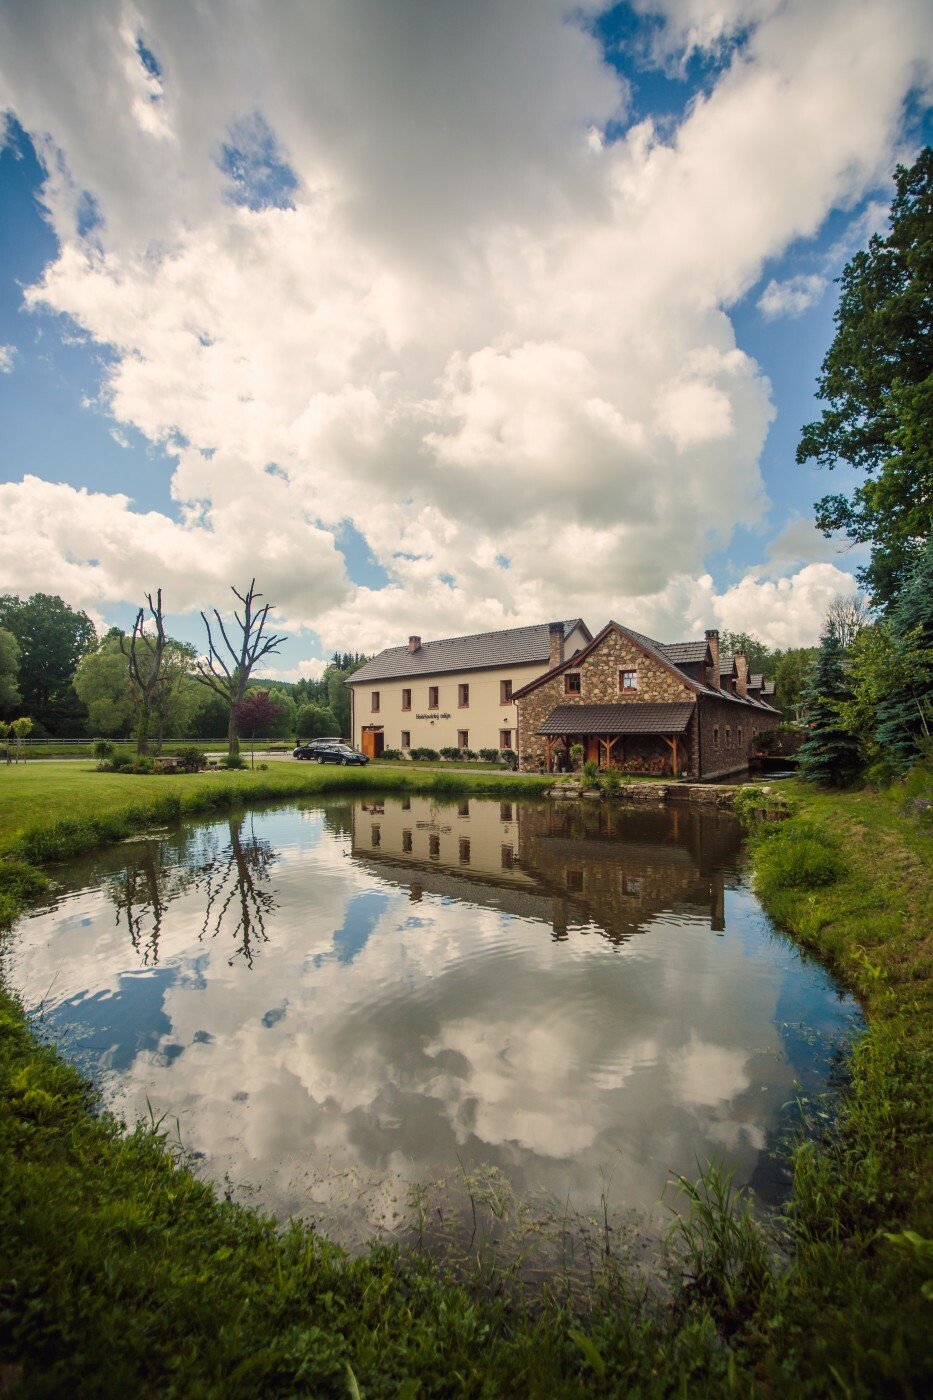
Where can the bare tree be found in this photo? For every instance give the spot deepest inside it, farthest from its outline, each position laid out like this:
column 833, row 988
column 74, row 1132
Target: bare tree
column 227, row 668
column 144, row 654
column 850, row 614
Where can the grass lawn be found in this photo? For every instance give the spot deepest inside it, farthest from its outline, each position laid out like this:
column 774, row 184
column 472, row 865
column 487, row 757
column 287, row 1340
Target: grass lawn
column 121, row 1274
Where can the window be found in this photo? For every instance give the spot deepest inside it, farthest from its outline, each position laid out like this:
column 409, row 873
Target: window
column 572, row 683
column 632, row 885
column 432, row 697
column 375, row 702
column 463, row 696
column 434, row 845
column 377, row 836
column 505, row 738
column 575, row 881
column 715, row 736
column 463, row 808
column 508, row 857
column 463, row 738
column 728, row 736
column 505, row 811
column 406, row 738
column 406, row 842
column 505, row 692
column 406, row 699
column 464, row 850
column 628, row 680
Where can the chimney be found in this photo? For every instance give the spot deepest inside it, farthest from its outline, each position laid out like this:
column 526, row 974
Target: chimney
column 741, row 673
column 556, row 643
column 712, row 672
column 414, row 643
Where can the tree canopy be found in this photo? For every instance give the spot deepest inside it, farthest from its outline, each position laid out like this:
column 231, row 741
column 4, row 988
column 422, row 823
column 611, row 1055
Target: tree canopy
column 877, row 382
column 52, row 638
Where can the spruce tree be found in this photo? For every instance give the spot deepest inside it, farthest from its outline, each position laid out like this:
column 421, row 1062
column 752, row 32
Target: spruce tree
column 829, row 754
column 905, row 711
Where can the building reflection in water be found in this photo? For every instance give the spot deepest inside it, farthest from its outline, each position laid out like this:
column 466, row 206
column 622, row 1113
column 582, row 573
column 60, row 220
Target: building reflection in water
column 609, row 870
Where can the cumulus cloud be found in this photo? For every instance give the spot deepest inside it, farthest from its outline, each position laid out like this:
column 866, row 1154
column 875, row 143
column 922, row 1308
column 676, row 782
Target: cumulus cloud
column 7, row 356
column 392, row 265
column 792, row 297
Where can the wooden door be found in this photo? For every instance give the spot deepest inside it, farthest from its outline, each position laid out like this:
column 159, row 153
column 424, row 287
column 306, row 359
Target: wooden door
column 592, row 749
column 369, row 743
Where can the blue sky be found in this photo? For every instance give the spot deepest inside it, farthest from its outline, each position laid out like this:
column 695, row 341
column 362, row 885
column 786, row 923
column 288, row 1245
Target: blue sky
column 370, row 359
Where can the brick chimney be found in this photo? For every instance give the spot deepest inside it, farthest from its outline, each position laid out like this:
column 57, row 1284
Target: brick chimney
column 556, row 643
column 741, row 674
column 414, row 643
column 712, row 672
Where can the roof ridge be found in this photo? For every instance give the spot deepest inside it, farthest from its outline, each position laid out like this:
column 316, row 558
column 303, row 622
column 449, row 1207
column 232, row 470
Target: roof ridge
column 566, row 622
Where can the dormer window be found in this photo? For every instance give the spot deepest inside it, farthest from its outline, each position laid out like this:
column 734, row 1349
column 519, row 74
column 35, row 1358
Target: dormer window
column 572, row 685
column 628, row 680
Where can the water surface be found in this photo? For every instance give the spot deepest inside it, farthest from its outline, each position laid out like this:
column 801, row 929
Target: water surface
column 339, row 999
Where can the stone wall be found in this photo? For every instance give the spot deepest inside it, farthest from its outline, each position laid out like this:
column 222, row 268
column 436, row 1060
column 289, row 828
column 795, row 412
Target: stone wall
column 727, row 732
column 599, row 685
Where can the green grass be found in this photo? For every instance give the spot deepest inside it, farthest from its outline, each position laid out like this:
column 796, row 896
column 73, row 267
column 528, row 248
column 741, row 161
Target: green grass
column 121, row 1274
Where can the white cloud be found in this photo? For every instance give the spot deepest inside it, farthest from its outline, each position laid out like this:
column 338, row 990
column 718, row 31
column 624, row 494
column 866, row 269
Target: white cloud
column 428, row 296
column 792, row 297
column 7, row 356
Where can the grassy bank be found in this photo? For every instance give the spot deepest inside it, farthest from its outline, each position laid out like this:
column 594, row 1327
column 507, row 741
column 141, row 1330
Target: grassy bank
column 120, row 1272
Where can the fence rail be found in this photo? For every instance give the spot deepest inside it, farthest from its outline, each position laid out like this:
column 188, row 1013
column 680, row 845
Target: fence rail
column 89, row 743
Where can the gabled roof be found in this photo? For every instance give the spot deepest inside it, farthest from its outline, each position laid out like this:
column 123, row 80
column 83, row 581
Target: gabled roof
column 638, row 718
column 685, row 653
column 658, row 652
column 515, row 646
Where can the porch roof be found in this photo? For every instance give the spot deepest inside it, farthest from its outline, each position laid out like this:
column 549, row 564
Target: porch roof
column 637, row 717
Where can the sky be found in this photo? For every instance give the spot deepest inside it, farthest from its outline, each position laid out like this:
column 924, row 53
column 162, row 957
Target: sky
column 435, row 317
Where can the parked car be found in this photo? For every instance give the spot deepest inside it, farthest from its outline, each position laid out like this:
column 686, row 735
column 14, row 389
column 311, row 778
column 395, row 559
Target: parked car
column 341, row 753
column 314, row 747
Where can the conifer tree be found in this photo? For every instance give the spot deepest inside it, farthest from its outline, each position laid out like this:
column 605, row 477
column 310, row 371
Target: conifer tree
column 905, row 710
column 829, row 754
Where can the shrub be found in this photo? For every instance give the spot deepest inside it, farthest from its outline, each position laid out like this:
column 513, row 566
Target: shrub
column 103, row 749
column 426, row 755
column 591, row 770
column 796, row 857
column 191, row 758
column 120, row 761
column 142, row 764
column 510, row 758
column 470, row 754
column 576, row 754
column 232, row 760
column 450, row 753
column 392, row 753
column 610, row 781
column 489, row 755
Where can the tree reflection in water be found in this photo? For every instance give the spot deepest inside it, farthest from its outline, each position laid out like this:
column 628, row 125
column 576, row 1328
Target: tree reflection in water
column 142, row 892
column 233, row 883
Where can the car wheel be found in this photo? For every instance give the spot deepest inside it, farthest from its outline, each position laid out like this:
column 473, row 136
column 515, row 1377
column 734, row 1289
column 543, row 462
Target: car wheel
column 344, row 761
column 320, row 758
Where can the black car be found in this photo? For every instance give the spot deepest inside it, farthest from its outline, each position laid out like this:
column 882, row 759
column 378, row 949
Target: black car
column 341, row 753
column 314, row 748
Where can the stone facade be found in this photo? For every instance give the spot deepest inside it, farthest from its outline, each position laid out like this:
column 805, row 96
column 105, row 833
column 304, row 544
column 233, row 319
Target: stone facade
column 599, row 685
column 719, row 737
column 727, row 733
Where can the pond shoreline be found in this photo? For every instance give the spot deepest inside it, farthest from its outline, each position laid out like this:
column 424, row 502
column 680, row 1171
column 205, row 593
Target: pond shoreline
column 126, row 1266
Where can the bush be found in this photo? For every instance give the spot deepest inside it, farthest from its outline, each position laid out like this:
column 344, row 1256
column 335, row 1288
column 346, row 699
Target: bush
column 796, row 857
column 120, row 762
column 426, row 755
column 510, row 759
column 576, row 754
column 470, row 754
column 191, row 758
column 450, row 753
column 103, row 749
column 611, row 781
column 391, row 753
column 143, row 764
column 591, row 770
column 232, row 760
column 489, row 755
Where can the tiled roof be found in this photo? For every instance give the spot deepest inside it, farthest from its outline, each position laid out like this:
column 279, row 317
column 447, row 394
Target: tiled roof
column 755, row 682
column 683, row 653
column 512, row 647
column 637, row 717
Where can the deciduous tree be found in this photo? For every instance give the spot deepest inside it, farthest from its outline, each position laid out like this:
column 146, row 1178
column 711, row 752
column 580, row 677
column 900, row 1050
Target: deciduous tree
column 9, row 670
column 228, row 665
column 877, row 382
column 144, row 652
column 52, row 638
column 257, row 710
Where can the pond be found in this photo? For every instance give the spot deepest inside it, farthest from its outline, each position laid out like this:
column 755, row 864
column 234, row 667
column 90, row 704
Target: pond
column 330, row 1004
